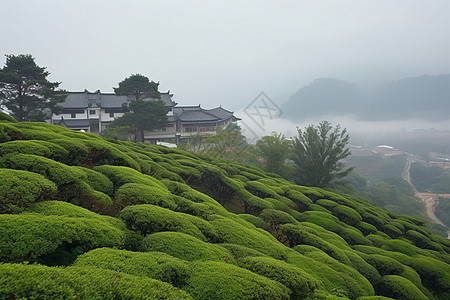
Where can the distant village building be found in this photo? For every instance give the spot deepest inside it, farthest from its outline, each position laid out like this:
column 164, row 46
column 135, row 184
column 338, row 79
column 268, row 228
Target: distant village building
column 94, row 111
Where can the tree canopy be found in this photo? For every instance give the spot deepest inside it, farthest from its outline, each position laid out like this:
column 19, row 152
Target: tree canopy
column 138, row 87
column 317, row 154
column 274, row 149
column 25, row 91
column 143, row 115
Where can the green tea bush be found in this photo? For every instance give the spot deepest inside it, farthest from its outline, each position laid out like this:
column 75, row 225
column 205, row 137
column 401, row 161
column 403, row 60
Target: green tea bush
column 392, row 231
column 435, row 274
column 303, row 203
column 317, row 207
column 98, row 181
column 26, row 147
column 325, row 203
column 156, row 265
column 102, row 153
column 34, row 133
column 9, row 132
column 77, row 152
column 82, row 194
column 257, row 221
column 275, row 217
column 365, row 228
column 41, row 282
column 138, row 193
column 422, row 241
column 29, row 236
column 400, row 246
column 7, row 118
column 346, row 214
column 20, row 189
column 120, row 175
column 400, row 288
column 364, row 268
column 147, row 219
column 384, row 265
column 216, row 280
column 353, row 236
column 230, row 231
column 259, row 189
column 185, row 247
column 239, row 251
column 299, row 282
column 298, row 234
column 59, row 173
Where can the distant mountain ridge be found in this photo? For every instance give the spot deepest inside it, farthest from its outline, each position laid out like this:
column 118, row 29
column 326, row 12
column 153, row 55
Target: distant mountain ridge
column 424, row 97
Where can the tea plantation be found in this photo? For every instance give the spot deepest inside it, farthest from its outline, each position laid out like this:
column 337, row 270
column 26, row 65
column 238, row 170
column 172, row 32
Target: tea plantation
column 82, row 217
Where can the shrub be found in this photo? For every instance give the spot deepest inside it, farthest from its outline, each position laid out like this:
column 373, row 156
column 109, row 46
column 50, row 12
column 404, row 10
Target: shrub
column 435, row 274
column 77, row 152
column 365, row 228
column 185, row 246
column 20, row 189
column 9, row 132
column 26, row 147
column 216, row 280
column 82, row 194
column 257, row 221
column 138, row 193
column 4, row 117
column 100, row 152
column 239, row 251
column 346, row 214
column 399, row 246
column 29, row 236
column 422, row 241
column 302, row 202
column 260, row 189
column 120, row 175
column 98, row 181
column 384, row 265
column 55, row 171
column 275, row 217
column 299, row 282
column 230, row 231
column 41, row 282
column 400, row 288
column 148, row 219
column 156, row 265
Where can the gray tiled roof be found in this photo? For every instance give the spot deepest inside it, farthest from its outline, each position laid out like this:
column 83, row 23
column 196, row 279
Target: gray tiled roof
column 197, row 115
column 74, row 123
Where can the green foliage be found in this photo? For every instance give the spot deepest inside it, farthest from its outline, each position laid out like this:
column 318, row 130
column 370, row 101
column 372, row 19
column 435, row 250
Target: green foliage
column 156, row 265
column 30, row 236
column 299, row 282
column 25, row 90
column 442, row 210
column 20, row 189
column 217, row 280
column 98, row 181
column 317, row 154
column 147, row 219
column 137, row 87
column 400, row 288
column 40, row 282
column 6, row 118
column 120, row 175
column 59, row 173
column 185, row 246
column 274, row 150
column 384, row 265
column 138, row 193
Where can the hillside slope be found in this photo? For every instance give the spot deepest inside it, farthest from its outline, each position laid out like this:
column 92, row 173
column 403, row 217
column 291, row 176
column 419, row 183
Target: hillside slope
column 82, row 217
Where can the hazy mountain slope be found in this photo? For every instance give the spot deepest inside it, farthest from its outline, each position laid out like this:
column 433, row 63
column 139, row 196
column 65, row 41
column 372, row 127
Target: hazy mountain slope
column 322, row 97
column 108, row 219
column 424, row 97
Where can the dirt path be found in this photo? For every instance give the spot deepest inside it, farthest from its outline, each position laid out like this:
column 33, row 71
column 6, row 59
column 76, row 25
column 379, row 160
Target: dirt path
column 428, row 198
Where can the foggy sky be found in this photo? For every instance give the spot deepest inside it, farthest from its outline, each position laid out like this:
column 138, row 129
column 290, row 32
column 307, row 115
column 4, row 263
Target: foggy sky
column 226, row 52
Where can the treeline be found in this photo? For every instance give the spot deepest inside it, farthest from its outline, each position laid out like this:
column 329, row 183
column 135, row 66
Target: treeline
column 432, row 179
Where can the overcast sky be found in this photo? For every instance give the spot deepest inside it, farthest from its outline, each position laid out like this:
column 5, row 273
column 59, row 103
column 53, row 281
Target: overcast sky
column 227, row 52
